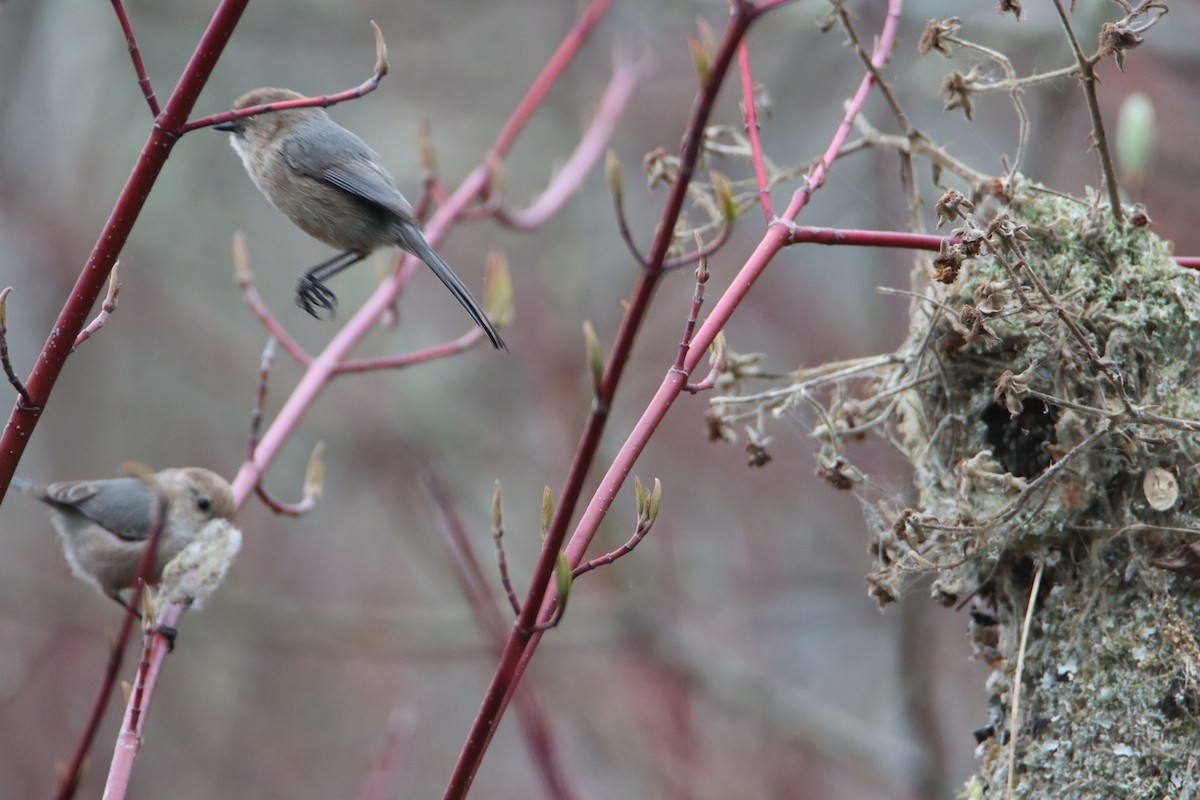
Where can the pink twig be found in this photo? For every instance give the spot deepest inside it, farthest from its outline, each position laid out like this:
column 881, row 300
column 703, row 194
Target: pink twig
column 381, row 783
column 107, row 307
column 775, row 238
column 322, row 101
column 306, row 504
column 709, row 381
column 693, row 315
column 314, row 485
column 245, row 282
column 647, row 511
column 703, row 251
column 129, row 740
column 609, row 558
column 135, row 54
column 276, row 330
column 71, row 777
column 804, row 234
column 566, row 183
column 502, row 567
column 549, row 75
column 260, row 398
column 750, row 109
column 463, row 343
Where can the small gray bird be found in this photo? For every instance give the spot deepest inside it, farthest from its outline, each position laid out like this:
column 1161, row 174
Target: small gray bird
column 104, row 524
column 331, row 185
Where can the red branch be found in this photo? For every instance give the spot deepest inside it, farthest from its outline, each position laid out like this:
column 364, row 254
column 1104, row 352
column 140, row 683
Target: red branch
column 523, row 637
column 92, row 279
column 324, row 366
column 476, row 588
column 135, row 54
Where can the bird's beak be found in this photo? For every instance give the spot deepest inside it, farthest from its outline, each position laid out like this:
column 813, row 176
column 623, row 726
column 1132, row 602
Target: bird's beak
column 231, row 127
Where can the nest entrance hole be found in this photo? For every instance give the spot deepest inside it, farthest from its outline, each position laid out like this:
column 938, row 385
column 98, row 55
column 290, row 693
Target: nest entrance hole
column 1020, row 443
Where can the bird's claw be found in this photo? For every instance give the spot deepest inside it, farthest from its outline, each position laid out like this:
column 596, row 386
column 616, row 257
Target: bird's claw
column 312, row 296
column 169, row 633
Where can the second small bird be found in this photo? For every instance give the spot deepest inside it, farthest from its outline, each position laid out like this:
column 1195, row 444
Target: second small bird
column 328, row 182
column 105, row 525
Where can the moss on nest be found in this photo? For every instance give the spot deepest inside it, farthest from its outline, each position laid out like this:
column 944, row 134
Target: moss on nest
column 1038, row 426
column 1047, row 395
column 1034, row 417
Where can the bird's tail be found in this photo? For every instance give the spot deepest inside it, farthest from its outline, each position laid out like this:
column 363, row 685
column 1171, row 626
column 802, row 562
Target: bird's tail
column 412, row 240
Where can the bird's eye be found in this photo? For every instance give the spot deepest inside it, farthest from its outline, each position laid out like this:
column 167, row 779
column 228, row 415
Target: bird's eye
column 204, row 504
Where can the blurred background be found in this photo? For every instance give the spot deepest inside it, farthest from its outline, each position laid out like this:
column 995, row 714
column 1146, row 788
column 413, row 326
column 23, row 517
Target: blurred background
column 736, row 652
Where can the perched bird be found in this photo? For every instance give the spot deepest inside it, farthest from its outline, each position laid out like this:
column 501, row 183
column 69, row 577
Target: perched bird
column 331, row 185
column 104, row 524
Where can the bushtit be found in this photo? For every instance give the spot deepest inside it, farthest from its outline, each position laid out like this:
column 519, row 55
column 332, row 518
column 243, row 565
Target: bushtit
column 104, row 525
column 328, row 182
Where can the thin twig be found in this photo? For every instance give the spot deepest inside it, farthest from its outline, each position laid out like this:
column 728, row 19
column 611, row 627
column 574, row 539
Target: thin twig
column 535, row 725
column 702, row 251
column 17, row 385
column 1014, row 710
column 244, row 277
column 610, row 557
column 321, row 101
column 566, row 182
column 314, row 486
column 917, row 145
column 518, row 648
column 623, row 229
column 750, row 113
column 1087, row 77
column 689, row 327
column 135, row 54
column 73, row 773
column 126, row 210
column 467, row 341
column 106, row 308
column 260, row 397
column 1013, row 85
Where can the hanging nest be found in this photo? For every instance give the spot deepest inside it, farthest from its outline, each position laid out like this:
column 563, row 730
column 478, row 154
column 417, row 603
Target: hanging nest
column 1053, row 366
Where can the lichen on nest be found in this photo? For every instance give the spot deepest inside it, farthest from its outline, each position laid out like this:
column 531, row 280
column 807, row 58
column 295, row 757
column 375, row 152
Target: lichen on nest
column 1055, row 370
column 1050, row 372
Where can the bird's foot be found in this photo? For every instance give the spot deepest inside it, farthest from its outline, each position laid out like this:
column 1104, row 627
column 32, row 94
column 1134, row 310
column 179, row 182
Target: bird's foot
column 312, row 296
column 170, row 634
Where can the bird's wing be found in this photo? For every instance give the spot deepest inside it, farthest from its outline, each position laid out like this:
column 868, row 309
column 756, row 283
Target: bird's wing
column 339, row 158
column 124, row 506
